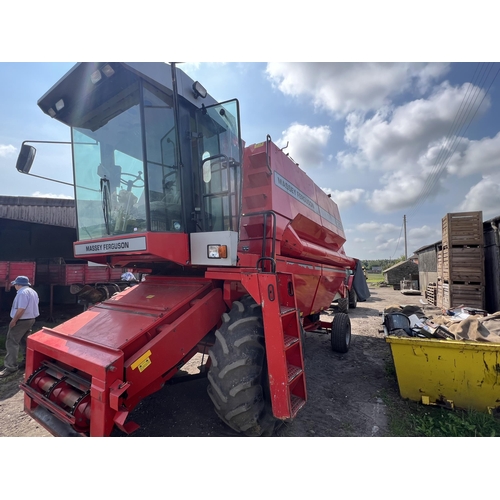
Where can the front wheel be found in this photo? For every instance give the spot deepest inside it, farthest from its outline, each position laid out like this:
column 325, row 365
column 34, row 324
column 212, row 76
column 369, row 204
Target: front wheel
column 238, row 377
column 341, row 333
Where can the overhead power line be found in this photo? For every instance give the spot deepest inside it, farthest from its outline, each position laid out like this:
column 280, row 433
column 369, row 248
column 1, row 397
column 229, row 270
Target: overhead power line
column 467, row 106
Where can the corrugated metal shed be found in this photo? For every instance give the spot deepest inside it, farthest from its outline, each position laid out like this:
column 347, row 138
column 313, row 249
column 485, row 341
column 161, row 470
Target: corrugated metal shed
column 51, row 211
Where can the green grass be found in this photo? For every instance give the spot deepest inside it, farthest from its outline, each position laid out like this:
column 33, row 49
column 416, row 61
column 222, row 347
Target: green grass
column 411, row 419
column 374, row 278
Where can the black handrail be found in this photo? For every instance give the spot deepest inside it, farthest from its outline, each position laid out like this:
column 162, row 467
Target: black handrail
column 268, row 140
column 265, row 214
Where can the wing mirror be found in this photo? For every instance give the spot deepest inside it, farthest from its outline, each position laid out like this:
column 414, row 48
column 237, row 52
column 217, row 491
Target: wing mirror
column 25, row 158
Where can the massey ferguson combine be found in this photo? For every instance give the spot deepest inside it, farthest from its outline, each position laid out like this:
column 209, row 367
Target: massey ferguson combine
column 242, row 253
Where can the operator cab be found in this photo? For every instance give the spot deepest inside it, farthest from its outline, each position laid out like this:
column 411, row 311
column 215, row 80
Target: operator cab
column 155, row 160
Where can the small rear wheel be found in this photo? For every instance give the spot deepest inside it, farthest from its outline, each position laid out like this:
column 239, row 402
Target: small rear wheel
column 341, row 333
column 353, row 299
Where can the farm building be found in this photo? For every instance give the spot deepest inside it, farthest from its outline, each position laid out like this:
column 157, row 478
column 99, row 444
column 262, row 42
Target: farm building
column 37, row 236
column 428, row 264
column 406, row 270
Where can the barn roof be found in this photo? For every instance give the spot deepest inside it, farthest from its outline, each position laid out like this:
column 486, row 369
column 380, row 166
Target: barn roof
column 51, row 211
column 397, row 265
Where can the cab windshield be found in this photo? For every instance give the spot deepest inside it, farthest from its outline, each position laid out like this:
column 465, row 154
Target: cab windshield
column 109, row 164
column 131, row 177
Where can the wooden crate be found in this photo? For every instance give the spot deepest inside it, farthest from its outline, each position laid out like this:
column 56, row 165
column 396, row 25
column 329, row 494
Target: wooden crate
column 431, row 294
column 467, row 295
column 445, row 296
column 465, row 264
column 465, row 228
column 439, row 293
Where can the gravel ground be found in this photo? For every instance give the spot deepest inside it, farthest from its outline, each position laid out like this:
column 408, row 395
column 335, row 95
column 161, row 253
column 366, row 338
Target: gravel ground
column 344, row 391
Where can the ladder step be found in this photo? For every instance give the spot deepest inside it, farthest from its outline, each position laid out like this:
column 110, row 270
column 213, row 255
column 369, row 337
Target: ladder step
column 284, row 310
column 297, row 404
column 293, row 372
column 290, row 341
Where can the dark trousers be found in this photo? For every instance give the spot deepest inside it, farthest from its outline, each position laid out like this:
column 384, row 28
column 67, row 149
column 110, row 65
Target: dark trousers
column 16, row 340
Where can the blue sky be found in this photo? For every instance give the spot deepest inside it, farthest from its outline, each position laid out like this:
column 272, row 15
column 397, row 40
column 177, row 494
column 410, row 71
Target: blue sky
column 382, row 138
column 375, row 135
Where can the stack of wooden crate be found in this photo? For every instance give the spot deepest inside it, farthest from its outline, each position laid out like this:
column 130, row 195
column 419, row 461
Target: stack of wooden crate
column 460, row 261
column 431, row 294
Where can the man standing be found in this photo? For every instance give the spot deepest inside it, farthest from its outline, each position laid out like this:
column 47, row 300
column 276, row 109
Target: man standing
column 23, row 313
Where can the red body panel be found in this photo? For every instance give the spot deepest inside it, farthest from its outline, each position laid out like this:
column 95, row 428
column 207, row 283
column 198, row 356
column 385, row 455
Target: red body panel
column 159, row 247
column 125, row 348
column 136, row 338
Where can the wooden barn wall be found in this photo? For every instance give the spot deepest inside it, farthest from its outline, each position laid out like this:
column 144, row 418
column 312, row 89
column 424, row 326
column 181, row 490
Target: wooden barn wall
column 492, row 273
column 427, row 267
column 404, row 271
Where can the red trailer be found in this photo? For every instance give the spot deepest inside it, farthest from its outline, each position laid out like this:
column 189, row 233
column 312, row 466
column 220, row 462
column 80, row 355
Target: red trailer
column 242, row 253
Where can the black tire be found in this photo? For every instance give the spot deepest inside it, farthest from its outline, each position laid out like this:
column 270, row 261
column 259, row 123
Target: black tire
column 353, row 299
column 343, row 305
column 341, row 333
column 238, row 378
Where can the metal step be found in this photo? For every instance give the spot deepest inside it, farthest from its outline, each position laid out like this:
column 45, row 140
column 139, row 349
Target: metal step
column 293, row 372
column 289, row 341
column 296, row 403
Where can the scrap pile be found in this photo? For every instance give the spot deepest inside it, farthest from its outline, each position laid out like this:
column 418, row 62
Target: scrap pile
column 461, row 323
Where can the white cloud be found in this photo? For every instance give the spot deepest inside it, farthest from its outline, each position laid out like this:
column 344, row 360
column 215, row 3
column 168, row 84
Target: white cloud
column 7, row 150
column 38, row 194
column 305, row 144
column 485, row 196
column 421, row 236
column 345, row 199
column 344, row 87
column 377, row 227
column 479, row 156
column 406, row 144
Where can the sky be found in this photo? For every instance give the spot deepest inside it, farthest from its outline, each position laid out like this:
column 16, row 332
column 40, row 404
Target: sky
column 384, row 139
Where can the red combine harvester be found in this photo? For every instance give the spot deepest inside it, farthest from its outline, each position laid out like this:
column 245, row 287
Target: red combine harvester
column 242, row 253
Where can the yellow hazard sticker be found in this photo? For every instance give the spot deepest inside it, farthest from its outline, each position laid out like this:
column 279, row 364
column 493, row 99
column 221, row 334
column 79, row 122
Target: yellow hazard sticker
column 143, row 362
column 259, row 145
column 149, row 296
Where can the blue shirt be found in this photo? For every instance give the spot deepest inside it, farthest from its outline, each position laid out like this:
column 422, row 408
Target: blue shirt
column 26, row 298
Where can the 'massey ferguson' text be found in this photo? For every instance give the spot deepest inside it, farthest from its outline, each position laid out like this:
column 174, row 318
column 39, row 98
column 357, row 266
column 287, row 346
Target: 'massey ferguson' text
column 104, row 247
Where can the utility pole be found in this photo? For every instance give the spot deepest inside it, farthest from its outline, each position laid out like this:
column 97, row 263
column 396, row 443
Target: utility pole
column 406, row 243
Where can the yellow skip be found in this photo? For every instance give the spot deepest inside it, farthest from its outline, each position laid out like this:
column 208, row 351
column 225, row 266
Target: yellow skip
column 143, row 362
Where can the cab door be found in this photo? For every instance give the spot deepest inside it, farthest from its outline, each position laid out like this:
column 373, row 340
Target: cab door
column 220, row 166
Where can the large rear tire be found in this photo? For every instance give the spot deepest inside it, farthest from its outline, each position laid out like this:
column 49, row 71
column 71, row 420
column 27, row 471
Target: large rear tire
column 341, row 333
column 238, row 377
column 343, row 305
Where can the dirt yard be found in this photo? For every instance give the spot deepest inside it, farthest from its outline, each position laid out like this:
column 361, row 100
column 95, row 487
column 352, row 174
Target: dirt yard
column 344, row 391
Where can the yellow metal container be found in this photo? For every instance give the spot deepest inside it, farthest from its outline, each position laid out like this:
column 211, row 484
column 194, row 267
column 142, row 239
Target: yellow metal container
column 461, row 374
